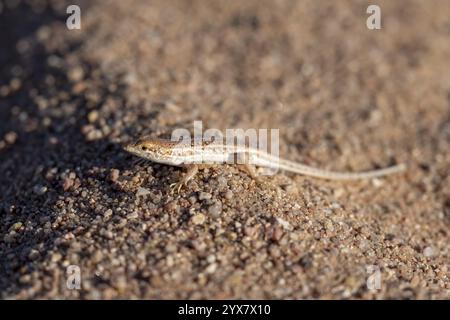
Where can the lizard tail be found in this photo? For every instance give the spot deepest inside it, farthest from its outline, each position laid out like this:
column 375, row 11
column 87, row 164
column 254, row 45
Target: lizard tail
column 332, row 175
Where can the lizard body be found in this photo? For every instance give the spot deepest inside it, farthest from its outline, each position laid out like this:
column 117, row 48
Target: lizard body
column 203, row 153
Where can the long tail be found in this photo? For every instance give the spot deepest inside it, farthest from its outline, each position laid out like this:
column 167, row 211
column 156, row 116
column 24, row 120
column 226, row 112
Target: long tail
column 331, row 175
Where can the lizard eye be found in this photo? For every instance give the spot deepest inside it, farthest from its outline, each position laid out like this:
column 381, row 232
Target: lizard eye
column 143, row 148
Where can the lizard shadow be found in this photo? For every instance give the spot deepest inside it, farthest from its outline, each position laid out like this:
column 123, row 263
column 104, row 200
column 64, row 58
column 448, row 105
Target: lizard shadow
column 49, row 139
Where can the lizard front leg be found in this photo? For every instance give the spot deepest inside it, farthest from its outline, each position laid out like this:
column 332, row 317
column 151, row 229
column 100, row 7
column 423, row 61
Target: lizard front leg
column 246, row 164
column 250, row 170
column 192, row 170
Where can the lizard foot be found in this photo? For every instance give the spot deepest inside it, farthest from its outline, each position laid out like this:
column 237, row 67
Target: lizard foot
column 176, row 187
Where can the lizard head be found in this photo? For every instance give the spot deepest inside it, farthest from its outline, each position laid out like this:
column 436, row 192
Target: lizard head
column 153, row 149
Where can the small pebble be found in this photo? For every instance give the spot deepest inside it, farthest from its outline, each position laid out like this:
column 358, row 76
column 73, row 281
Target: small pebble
column 228, row 195
column 114, row 175
column 251, row 231
column 11, row 137
column 211, row 258
column 211, row 268
column 76, row 74
column 377, row 182
column 94, row 135
column 285, row 224
column 198, row 219
column 216, row 209
column 34, row 254
column 171, row 206
column 93, row 116
column 16, row 226
column 108, row 213
column 97, row 256
column 132, row 215
column 142, row 192
column 15, row 84
column 204, row 196
column 67, row 183
column 39, row 190
column 278, row 234
column 56, row 257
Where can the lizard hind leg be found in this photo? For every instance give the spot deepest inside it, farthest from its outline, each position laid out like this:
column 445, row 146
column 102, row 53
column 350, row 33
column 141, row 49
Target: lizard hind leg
column 245, row 165
column 251, row 171
column 243, row 161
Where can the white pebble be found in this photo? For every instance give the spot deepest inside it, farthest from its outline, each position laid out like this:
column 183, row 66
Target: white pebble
column 428, row 252
column 142, row 192
column 285, row 224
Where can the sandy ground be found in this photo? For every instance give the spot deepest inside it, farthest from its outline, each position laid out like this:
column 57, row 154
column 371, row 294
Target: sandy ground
column 344, row 98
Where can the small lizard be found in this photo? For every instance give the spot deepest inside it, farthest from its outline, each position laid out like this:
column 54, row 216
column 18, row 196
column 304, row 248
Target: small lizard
column 197, row 155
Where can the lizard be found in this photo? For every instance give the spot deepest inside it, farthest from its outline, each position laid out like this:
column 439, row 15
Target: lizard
column 197, row 155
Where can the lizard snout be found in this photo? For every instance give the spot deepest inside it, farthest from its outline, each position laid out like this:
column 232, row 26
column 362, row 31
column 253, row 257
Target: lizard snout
column 129, row 147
